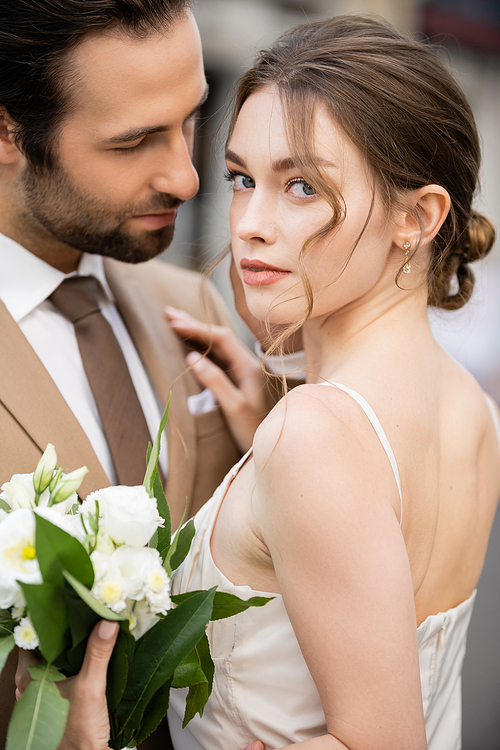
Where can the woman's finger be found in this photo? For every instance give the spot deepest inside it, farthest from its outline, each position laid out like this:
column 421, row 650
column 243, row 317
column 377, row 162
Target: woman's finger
column 23, row 678
column 88, row 722
column 241, row 411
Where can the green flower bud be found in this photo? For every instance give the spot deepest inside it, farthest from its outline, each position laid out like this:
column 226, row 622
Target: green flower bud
column 45, row 469
column 66, row 485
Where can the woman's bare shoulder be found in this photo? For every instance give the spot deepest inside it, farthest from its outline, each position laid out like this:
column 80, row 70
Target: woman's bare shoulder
column 309, row 418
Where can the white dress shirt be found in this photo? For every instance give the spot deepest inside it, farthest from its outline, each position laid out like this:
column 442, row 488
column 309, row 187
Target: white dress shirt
column 25, row 283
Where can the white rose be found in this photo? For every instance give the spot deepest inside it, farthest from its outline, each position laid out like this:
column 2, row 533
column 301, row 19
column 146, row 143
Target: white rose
column 130, row 514
column 70, row 524
column 17, row 557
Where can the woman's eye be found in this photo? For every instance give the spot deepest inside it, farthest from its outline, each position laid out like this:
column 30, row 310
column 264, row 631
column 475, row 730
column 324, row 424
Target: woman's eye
column 239, row 181
column 299, row 188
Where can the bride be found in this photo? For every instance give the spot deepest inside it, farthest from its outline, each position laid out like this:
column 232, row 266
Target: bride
column 367, row 501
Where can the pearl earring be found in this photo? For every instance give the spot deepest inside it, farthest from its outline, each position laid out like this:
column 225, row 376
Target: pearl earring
column 407, row 266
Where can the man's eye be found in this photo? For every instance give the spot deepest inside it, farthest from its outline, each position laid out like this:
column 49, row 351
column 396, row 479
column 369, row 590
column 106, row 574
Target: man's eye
column 239, row 181
column 131, row 149
column 299, row 188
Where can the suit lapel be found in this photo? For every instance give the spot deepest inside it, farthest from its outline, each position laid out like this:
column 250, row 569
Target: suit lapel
column 30, row 395
column 163, row 357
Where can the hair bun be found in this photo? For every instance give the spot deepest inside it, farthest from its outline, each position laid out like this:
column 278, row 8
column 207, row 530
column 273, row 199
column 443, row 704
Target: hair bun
column 481, row 237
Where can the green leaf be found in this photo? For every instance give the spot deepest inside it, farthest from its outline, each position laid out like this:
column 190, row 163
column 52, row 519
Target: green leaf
column 81, row 618
column 175, row 542
column 188, row 672
column 6, row 627
column 164, row 532
column 118, row 668
column 155, row 712
column 159, row 652
column 185, row 537
column 226, row 605
column 196, row 700
column 42, row 670
column 199, row 694
column 155, row 452
column 38, row 719
column 4, row 506
column 83, row 592
column 56, row 549
column 49, row 615
column 6, row 646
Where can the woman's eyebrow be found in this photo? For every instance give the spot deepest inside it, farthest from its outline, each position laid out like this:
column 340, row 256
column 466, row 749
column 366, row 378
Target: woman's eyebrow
column 280, row 165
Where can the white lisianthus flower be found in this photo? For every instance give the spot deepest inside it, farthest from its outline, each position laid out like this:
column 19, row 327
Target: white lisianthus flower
column 25, row 635
column 140, row 618
column 70, row 524
column 67, row 485
column 130, row 514
column 17, row 557
column 45, row 469
column 19, row 492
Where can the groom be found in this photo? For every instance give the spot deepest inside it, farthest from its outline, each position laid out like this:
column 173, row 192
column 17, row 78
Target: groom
column 98, row 103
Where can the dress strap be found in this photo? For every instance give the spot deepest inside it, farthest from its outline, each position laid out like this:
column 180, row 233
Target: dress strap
column 375, row 422
column 494, row 415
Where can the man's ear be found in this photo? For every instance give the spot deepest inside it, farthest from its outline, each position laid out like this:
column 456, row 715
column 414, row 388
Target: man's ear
column 431, row 204
column 9, row 152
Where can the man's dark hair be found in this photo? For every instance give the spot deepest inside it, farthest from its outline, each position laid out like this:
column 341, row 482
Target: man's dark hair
column 35, row 38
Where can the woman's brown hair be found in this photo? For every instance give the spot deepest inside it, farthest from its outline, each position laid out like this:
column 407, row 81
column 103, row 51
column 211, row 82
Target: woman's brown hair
column 399, row 104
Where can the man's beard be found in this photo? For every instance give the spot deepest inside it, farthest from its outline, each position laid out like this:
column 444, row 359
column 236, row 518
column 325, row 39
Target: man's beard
column 85, row 223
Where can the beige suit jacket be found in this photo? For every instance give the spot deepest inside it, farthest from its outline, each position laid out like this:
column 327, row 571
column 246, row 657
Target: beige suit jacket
column 33, row 412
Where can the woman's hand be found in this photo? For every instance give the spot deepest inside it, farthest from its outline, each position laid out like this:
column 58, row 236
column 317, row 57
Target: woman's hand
column 240, row 387
column 255, row 746
column 87, row 727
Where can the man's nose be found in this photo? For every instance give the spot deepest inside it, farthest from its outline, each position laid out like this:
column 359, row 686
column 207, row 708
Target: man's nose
column 176, row 174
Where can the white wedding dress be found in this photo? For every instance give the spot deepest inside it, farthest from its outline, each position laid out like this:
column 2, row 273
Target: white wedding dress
column 262, row 687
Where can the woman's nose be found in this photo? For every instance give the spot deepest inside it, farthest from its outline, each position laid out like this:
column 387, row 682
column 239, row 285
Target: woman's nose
column 255, row 220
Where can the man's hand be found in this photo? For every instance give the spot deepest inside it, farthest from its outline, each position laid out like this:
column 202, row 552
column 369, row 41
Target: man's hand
column 240, row 387
column 87, row 727
column 255, row 746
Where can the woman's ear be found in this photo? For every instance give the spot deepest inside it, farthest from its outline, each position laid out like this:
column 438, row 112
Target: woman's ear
column 431, row 204
column 9, row 152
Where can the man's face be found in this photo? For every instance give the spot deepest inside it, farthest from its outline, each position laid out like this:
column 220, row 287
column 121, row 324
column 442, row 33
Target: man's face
column 123, row 154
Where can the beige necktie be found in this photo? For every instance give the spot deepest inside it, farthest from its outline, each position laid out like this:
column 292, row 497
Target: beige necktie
column 121, row 414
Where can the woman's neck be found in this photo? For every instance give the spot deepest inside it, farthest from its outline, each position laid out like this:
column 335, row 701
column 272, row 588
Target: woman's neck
column 334, row 342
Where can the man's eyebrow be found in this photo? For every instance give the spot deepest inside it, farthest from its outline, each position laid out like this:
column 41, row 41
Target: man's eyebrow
column 280, row 165
column 135, row 133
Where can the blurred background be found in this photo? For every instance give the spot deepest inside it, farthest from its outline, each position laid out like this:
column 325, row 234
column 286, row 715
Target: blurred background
column 467, row 33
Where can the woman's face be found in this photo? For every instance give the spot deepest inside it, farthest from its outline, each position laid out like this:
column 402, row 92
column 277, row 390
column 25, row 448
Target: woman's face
column 274, row 211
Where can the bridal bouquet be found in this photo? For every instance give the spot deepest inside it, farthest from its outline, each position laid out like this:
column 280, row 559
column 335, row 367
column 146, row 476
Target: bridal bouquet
column 64, row 566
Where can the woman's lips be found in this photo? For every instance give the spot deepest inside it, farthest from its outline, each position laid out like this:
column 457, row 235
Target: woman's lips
column 156, row 220
column 257, row 273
